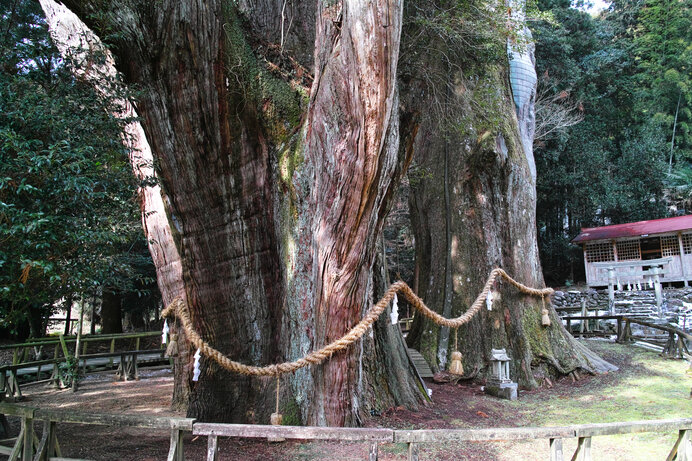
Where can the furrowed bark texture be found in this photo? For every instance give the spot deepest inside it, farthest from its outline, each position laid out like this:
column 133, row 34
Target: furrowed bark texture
column 275, row 210
column 480, row 169
column 353, row 105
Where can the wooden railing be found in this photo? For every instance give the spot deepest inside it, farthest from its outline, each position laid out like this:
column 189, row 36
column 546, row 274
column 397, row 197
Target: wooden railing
column 22, row 350
column 676, row 345
column 27, row 445
column 127, row 366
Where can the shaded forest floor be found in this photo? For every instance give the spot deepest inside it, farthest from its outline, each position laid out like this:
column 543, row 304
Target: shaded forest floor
column 646, row 387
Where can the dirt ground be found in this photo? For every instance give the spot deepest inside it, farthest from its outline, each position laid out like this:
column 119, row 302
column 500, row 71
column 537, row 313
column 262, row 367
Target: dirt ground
column 463, row 405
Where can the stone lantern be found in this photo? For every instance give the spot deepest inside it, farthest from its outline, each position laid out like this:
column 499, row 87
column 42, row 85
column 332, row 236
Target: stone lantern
column 499, row 383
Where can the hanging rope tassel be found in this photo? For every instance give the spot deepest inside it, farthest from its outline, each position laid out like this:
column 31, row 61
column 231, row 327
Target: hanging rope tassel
column 276, row 417
column 545, row 318
column 455, row 366
column 172, row 349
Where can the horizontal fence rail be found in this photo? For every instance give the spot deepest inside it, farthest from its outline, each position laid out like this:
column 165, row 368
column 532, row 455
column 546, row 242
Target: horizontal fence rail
column 53, row 340
column 583, row 433
column 29, row 447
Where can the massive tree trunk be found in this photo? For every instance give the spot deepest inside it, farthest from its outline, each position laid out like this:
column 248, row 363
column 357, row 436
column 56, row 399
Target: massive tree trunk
column 275, row 199
column 473, row 204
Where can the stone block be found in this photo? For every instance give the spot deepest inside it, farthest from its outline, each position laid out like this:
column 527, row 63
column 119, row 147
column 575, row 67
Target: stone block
column 502, row 390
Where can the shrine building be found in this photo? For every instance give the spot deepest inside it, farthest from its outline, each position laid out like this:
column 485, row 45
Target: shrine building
column 634, row 251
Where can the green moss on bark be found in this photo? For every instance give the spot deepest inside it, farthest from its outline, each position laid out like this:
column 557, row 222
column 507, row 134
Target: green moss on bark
column 279, row 104
column 291, row 413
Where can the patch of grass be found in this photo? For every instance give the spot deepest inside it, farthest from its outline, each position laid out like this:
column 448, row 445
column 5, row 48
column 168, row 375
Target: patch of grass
column 394, row 448
column 646, row 387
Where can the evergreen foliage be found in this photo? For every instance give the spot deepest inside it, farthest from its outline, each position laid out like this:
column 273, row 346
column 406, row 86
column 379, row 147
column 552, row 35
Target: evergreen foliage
column 626, row 70
column 69, row 218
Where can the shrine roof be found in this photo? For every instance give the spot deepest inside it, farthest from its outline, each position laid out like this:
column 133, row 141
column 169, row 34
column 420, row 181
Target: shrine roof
column 635, row 229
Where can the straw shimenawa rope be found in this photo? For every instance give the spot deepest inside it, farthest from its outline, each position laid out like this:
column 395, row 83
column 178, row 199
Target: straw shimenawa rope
column 179, row 309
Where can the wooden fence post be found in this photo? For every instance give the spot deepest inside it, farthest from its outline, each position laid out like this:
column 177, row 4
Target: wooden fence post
column 176, row 453
column 682, row 448
column 110, row 364
column 28, row 439
column 84, row 352
column 43, row 451
column 583, row 314
column 3, row 384
column 212, row 448
column 135, row 366
column 671, row 347
column 14, row 389
column 583, row 452
column 611, row 290
column 372, row 456
column 4, row 424
column 16, row 450
column 658, row 290
column 556, row 449
column 412, row 452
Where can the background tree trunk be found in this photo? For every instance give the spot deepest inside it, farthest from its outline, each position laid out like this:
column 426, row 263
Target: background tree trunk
column 111, row 312
column 275, row 201
column 473, row 202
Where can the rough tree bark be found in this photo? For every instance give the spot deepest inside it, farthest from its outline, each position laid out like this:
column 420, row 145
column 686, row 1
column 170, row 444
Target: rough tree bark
column 276, row 199
column 473, row 205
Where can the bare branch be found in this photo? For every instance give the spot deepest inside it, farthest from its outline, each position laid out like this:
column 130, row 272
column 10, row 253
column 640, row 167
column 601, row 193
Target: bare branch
column 554, row 111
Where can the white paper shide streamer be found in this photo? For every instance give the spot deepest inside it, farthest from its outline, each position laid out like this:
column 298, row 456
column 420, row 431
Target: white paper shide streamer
column 195, row 372
column 164, row 333
column 489, row 301
column 394, row 316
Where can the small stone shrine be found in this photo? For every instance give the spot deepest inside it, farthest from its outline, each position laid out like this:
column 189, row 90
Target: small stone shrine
column 499, row 384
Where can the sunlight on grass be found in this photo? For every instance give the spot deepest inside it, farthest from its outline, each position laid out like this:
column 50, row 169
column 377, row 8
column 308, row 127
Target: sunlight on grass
column 648, row 387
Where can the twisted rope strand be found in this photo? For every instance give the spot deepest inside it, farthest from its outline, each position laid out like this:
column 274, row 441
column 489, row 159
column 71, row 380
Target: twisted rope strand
column 179, row 309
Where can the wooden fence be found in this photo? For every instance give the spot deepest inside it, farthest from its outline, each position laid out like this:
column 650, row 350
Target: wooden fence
column 21, row 351
column 27, row 446
column 675, row 346
column 127, row 366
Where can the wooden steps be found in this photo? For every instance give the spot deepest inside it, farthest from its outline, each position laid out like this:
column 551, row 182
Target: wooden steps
column 419, row 362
